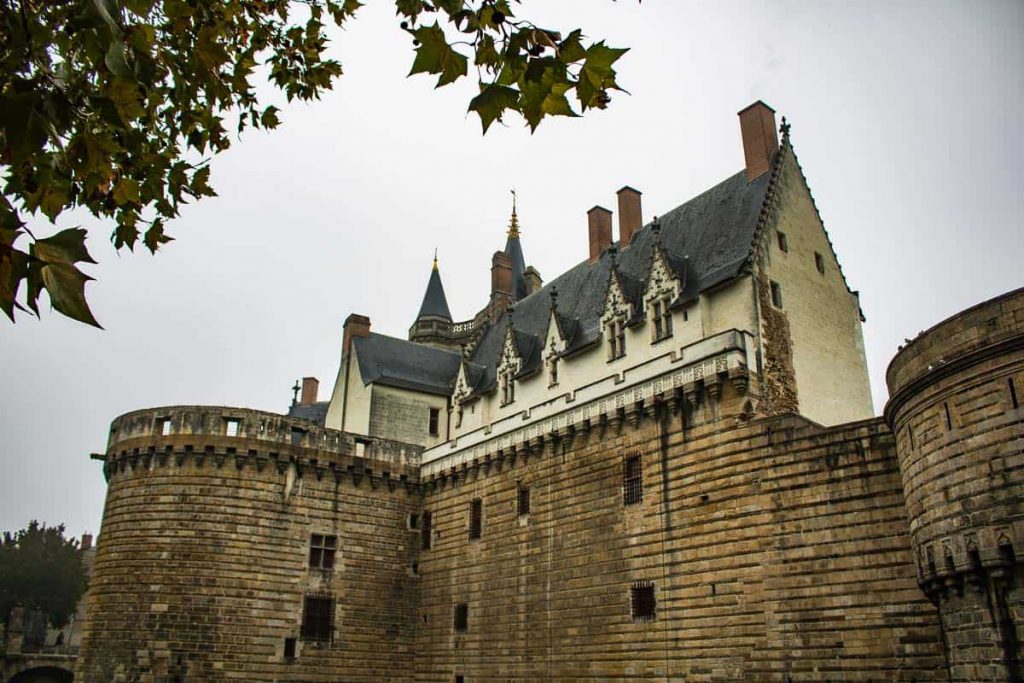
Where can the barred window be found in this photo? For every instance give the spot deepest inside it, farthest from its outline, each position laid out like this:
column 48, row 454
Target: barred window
column 641, row 598
column 522, row 500
column 317, row 618
column 632, row 480
column 476, row 508
column 321, row 551
column 425, row 531
column 461, row 618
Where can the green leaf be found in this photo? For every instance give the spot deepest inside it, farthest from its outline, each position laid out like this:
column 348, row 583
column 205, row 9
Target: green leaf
column 126, row 190
column 66, row 286
column 67, row 246
column 269, row 117
column 115, row 60
column 155, row 236
column 126, row 98
column 13, row 269
column 200, row 184
column 140, row 7
column 435, row 56
column 571, row 50
column 492, row 102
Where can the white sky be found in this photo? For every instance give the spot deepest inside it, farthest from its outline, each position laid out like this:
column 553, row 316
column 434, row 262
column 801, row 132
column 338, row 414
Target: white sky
column 906, row 119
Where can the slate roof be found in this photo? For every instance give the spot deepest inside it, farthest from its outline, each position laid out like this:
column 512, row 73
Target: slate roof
column 405, row 364
column 710, row 237
column 435, row 303
column 514, row 249
column 315, row 412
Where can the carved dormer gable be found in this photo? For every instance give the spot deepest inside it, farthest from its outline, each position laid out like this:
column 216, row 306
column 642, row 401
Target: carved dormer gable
column 616, row 305
column 509, row 364
column 462, row 386
column 662, row 279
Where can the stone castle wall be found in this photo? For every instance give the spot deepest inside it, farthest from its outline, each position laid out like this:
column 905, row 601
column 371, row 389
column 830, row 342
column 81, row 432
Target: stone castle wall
column 777, row 550
column 956, row 406
column 203, row 563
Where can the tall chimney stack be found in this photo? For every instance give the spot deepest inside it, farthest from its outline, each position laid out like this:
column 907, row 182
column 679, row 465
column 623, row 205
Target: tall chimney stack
column 630, row 216
column 599, row 223
column 355, row 326
column 760, row 139
column 86, row 542
column 310, row 389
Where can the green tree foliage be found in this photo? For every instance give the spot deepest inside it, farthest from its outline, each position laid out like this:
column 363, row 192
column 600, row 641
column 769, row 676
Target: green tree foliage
column 41, row 569
column 116, row 106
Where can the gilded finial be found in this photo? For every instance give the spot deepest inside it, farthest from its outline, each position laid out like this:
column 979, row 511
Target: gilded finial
column 513, row 224
column 435, row 258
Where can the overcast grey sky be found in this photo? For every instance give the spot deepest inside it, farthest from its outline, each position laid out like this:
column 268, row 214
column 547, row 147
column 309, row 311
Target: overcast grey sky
column 906, row 119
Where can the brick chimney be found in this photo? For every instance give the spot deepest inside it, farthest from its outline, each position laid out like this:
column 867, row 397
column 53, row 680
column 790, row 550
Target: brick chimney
column 630, row 216
column 501, row 273
column 355, row 326
column 86, row 542
column 310, row 389
column 599, row 223
column 760, row 139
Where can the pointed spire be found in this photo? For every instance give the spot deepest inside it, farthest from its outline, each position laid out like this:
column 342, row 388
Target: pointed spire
column 435, row 303
column 513, row 224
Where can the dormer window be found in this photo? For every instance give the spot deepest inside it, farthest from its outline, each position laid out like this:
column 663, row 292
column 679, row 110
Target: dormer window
column 662, row 318
column 616, row 338
column 552, row 371
column 508, row 388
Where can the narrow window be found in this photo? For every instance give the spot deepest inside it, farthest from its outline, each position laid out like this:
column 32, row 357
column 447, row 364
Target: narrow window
column 459, row 678
column 819, row 262
column 165, row 426
column 321, row 551
column 435, row 414
column 289, row 649
column 522, row 500
column 458, row 417
column 461, row 620
column 508, row 388
column 949, row 419
column 632, row 480
column 231, row 428
column 641, row 601
column 317, row 619
column 414, row 520
column 476, row 508
column 656, row 314
column 553, row 371
column 666, row 317
column 783, row 242
column 686, row 316
column 776, row 294
column 425, row 531
column 1013, row 394
column 616, row 339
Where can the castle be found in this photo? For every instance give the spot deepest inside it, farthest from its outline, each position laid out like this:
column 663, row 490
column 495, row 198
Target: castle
column 661, row 465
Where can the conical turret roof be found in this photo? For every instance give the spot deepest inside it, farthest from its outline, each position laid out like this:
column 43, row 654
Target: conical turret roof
column 515, row 252
column 435, row 303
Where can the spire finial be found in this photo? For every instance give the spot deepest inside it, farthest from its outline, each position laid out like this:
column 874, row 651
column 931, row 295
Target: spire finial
column 656, row 227
column 295, row 392
column 513, row 224
column 785, row 129
column 435, row 258
column 553, row 292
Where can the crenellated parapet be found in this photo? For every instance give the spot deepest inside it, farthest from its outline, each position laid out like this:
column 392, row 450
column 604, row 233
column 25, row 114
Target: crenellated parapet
column 955, row 408
column 219, row 436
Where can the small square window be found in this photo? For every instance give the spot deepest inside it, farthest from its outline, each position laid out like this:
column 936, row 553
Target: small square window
column 321, row 551
column 461, row 618
column 632, row 480
column 522, row 500
column 819, row 262
column 642, row 603
column 476, row 508
column 164, row 425
column 425, row 531
column 435, row 415
column 317, row 619
column 783, row 242
column 776, row 291
column 231, row 427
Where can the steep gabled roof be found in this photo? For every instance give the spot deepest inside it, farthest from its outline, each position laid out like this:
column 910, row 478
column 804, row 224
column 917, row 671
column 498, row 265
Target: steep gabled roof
column 710, row 236
column 405, row 364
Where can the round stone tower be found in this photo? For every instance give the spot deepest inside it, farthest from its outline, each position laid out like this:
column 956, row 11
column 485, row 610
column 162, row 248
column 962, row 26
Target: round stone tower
column 956, row 409
column 244, row 545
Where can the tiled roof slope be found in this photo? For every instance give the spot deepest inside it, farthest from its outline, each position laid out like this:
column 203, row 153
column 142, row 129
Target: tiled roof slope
column 405, row 364
column 710, row 236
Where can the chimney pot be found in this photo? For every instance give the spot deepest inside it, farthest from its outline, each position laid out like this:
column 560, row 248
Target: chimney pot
column 355, row 326
column 310, row 389
column 86, row 542
column 760, row 139
column 630, row 215
column 599, row 224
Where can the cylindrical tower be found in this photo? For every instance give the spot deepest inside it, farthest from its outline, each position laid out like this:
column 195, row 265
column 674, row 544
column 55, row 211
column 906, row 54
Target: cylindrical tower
column 244, row 545
column 956, row 409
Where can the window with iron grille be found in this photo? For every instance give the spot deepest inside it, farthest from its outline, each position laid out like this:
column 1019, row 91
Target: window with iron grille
column 476, row 508
column 522, row 500
column 632, row 480
column 435, row 415
column 321, row 551
column 641, row 599
column 317, row 618
column 425, row 531
column 461, row 618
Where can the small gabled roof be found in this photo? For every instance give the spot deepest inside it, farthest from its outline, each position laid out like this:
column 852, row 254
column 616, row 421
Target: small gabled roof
column 435, row 303
column 405, row 364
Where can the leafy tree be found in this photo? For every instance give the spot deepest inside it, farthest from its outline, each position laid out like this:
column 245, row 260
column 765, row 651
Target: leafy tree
column 116, row 106
column 42, row 570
